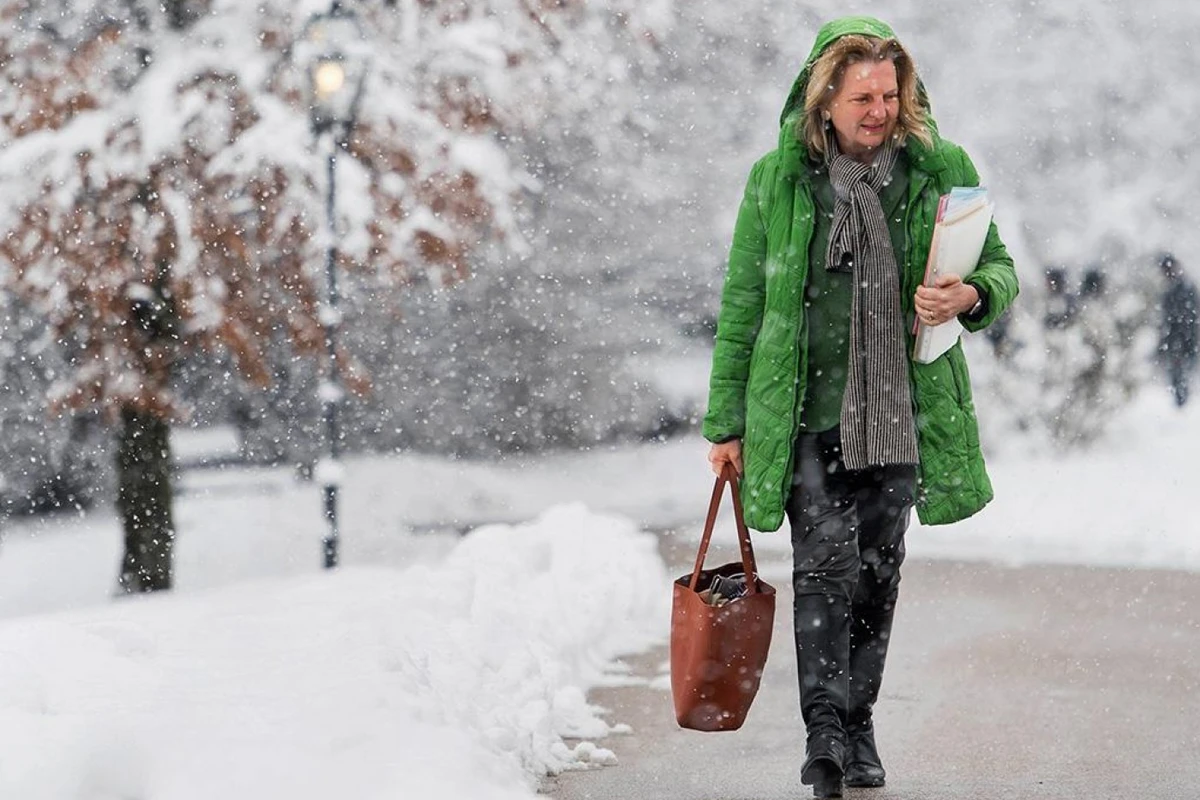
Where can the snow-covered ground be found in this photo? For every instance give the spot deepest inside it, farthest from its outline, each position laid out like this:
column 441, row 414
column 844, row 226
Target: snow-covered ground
column 432, row 662
column 453, row 679
column 1125, row 502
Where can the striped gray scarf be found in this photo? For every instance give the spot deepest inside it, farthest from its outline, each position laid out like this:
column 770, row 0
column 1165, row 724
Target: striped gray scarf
column 877, row 415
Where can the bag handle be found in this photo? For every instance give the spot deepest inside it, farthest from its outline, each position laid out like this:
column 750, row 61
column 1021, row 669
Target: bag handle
column 728, row 476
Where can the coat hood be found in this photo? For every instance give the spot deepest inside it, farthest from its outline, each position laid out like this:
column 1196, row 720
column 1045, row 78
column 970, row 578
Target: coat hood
column 790, row 144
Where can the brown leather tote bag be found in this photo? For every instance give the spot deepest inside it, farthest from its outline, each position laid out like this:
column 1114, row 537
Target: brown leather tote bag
column 718, row 652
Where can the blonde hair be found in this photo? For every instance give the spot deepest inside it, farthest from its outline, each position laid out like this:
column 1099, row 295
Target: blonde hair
column 828, row 71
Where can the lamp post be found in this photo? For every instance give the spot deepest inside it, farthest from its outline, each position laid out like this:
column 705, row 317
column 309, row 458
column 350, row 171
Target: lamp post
column 337, row 60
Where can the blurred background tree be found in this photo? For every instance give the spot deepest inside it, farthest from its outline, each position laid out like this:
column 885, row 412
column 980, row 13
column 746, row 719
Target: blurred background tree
column 163, row 200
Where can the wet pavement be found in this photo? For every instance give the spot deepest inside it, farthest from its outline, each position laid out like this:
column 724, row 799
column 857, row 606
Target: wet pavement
column 1002, row 682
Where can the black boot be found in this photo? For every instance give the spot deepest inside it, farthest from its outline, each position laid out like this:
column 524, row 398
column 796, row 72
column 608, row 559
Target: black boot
column 863, row 767
column 823, row 643
column 870, row 630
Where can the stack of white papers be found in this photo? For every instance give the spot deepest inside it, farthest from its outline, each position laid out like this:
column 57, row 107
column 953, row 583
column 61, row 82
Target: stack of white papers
column 964, row 216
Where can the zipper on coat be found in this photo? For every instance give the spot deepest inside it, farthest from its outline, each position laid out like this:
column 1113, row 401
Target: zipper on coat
column 918, row 188
column 798, row 405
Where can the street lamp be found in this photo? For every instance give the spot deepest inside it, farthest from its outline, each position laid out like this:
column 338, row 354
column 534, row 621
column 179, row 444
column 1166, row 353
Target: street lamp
column 337, row 58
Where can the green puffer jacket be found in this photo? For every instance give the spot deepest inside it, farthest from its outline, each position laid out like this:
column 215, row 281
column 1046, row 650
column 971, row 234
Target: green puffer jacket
column 757, row 385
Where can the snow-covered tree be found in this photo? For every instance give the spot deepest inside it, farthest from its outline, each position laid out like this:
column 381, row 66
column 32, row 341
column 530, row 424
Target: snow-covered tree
column 163, row 193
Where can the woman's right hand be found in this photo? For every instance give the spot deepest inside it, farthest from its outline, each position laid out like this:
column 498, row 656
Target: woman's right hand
column 726, row 453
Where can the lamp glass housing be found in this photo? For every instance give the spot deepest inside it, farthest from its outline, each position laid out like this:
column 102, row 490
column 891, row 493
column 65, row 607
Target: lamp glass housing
column 338, row 60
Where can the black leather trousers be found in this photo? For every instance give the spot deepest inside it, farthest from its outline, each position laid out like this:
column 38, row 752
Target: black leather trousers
column 847, row 544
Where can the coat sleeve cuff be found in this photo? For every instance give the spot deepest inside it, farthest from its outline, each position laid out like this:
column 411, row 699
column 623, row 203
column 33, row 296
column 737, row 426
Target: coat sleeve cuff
column 724, row 439
column 981, row 308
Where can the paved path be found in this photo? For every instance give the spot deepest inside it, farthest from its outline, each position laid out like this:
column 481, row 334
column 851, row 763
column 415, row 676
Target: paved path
column 1036, row 682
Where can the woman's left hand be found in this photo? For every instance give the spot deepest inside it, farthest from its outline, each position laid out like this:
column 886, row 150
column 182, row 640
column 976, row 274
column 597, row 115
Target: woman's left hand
column 945, row 300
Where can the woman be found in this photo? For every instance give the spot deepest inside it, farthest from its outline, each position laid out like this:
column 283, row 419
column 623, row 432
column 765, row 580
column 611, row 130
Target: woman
column 812, row 387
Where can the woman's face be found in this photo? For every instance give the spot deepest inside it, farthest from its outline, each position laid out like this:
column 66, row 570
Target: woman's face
column 865, row 109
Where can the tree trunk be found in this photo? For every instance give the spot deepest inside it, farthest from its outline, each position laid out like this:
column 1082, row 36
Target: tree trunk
column 144, row 500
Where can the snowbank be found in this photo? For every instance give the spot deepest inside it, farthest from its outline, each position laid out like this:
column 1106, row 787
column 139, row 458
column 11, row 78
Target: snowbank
column 457, row 680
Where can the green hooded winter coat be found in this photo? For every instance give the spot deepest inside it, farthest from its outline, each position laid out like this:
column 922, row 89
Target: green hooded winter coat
column 757, row 385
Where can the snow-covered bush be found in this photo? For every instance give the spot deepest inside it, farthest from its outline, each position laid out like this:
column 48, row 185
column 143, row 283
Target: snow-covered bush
column 48, row 462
